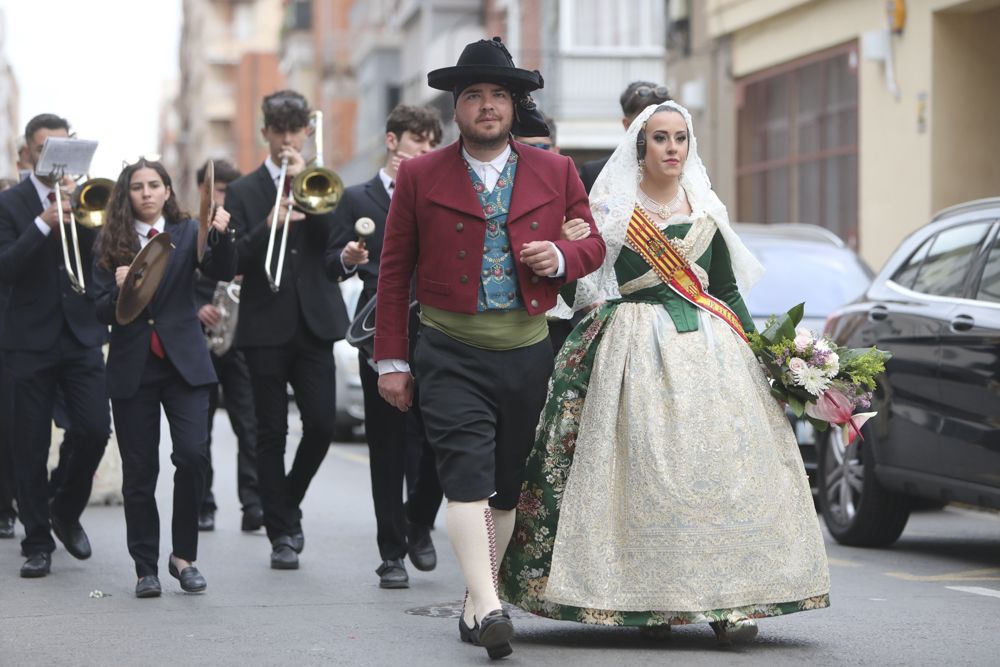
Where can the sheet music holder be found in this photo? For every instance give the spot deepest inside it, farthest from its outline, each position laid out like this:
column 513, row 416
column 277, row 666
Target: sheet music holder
column 62, row 155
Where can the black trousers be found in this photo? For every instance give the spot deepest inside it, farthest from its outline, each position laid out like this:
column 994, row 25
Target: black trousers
column 8, row 488
column 234, row 378
column 305, row 362
column 393, row 437
column 34, row 377
column 137, row 423
column 480, row 410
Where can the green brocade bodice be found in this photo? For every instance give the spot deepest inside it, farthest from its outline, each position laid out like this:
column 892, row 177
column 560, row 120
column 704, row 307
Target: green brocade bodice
column 721, row 282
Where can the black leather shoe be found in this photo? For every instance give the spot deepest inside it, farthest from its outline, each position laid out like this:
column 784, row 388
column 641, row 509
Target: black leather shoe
column 253, row 519
column 494, row 633
column 298, row 540
column 420, row 547
column 148, row 587
column 392, row 574
column 190, row 578
column 6, row 527
column 38, row 565
column 72, row 536
column 283, row 555
column 206, row 520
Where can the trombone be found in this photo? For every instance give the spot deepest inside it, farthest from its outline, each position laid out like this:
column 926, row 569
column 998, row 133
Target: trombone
column 316, row 190
column 86, row 207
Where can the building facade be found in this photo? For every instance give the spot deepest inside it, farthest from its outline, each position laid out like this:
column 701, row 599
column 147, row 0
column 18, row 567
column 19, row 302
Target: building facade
column 865, row 117
column 10, row 126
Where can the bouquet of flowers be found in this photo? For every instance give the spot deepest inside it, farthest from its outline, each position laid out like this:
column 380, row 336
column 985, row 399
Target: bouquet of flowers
column 816, row 377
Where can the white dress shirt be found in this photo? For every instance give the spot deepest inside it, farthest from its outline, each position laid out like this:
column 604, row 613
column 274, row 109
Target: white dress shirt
column 142, row 229
column 43, row 194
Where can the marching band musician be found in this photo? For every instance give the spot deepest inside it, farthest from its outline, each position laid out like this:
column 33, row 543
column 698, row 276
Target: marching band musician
column 159, row 358
column 287, row 335
column 51, row 338
column 234, row 378
column 393, row 436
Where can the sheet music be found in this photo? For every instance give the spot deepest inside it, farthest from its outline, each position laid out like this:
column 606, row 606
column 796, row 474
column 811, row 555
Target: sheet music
column 66, row 156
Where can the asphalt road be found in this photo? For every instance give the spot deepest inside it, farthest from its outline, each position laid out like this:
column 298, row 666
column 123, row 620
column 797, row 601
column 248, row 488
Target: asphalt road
column 933, row 599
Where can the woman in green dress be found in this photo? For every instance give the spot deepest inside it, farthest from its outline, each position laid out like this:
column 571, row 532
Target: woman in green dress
column 665, row 486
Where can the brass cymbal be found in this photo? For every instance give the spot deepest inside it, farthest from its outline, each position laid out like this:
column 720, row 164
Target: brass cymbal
column 144, row 276
column 207, row 209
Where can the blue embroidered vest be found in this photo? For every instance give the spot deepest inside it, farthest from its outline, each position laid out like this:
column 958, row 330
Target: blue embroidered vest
column 498, row 279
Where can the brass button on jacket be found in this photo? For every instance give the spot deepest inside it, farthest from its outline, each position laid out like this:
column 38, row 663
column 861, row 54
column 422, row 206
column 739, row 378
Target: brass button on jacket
column 534, row 225
column 534, row 280
column 461, row 254
column 534, row 303
column 459, row 227
column 463, row 279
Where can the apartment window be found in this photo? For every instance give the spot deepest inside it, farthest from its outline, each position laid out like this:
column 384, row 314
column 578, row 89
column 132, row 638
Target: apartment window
column 298, row 15
column 601, row 27
column 797, row 153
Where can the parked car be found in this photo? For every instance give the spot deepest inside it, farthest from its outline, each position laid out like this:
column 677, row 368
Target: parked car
column 350, row 403
column 936, row 307
column 805, row 263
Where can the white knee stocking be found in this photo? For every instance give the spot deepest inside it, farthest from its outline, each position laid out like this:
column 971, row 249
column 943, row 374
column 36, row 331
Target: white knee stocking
column 474, row 539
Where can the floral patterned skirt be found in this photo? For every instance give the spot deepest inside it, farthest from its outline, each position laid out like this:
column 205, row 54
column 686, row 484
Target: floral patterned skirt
column 671, row 513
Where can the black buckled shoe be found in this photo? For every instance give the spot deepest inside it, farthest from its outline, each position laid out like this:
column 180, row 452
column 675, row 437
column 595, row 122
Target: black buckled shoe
column 190, row 578
column 392, row 574
column 420, row 547
column 253, row 519
column 206, row 521
column 148, row 587
column 493, row 633
column 283, row 554
column 73, row 537
column 298, row 540
column 6, row 527
column 38, row 564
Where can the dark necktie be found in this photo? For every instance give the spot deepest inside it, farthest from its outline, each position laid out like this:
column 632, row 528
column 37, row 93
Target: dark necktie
column 155, row 344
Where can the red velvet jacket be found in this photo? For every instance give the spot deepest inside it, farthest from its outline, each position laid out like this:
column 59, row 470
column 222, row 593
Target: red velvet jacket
column 436, row 228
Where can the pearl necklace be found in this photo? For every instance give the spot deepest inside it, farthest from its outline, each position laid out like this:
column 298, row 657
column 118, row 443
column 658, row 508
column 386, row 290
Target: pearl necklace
column 664, row 211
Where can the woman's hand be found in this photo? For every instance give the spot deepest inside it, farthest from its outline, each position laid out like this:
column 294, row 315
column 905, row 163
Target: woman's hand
column 220, row 221
column 574, row 230
column 120, row 274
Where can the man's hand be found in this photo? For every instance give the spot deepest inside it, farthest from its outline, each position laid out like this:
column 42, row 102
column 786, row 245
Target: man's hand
column 120, row 274
column 396, row 389
column 296, row 163
column 287, row 203
column 220, row 221
column 574, row 230
column 396, row 160
column 540, row 257
column 50, row 216
column 353, row 254
column 209, row 315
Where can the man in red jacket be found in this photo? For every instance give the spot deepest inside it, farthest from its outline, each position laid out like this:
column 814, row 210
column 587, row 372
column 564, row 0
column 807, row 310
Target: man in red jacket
column 477, row 225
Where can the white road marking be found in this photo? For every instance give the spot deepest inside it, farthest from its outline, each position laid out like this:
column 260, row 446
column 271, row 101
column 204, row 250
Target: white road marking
column 976, row 590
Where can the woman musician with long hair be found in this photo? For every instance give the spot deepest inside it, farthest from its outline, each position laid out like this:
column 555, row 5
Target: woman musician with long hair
column 159, row 358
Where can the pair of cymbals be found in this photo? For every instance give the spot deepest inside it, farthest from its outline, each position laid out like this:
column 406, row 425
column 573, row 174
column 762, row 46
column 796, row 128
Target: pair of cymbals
column 144, row 275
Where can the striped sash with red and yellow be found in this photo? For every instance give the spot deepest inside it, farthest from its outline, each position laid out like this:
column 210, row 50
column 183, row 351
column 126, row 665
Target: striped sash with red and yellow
column 673, row 269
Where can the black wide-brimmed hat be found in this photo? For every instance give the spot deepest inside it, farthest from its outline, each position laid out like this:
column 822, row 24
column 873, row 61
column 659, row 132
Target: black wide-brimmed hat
column 485, row 61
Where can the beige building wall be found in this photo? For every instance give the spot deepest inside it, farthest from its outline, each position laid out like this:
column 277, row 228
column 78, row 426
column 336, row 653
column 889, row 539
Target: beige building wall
column 901, row 140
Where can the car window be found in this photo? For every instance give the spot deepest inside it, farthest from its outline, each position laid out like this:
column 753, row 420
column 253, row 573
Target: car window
column 989, row 285
column 908, row 272
column 824, row 278
column 943, row 271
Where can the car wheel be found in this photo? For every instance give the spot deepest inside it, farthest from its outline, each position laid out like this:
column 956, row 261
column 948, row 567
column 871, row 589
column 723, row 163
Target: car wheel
column 857, row 509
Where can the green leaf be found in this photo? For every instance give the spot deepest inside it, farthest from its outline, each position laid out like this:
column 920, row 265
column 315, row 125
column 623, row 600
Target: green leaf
column 784, row 325
column 797, row 406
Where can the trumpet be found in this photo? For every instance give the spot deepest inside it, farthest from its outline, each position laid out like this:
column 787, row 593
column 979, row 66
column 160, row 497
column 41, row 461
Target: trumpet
column 316, row 190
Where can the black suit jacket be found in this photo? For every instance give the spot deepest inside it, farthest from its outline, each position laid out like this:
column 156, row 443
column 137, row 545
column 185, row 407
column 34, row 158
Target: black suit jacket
column 40, row 298
column 307, row 293
column 369, row 200
column 590, row 170
column 171, row 313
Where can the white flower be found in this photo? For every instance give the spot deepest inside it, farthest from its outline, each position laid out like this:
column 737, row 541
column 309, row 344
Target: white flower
column 803, row 331
column 812, row 380
column 832, row 366
column 823, row 344
column 796, row 365
column 803, row 341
